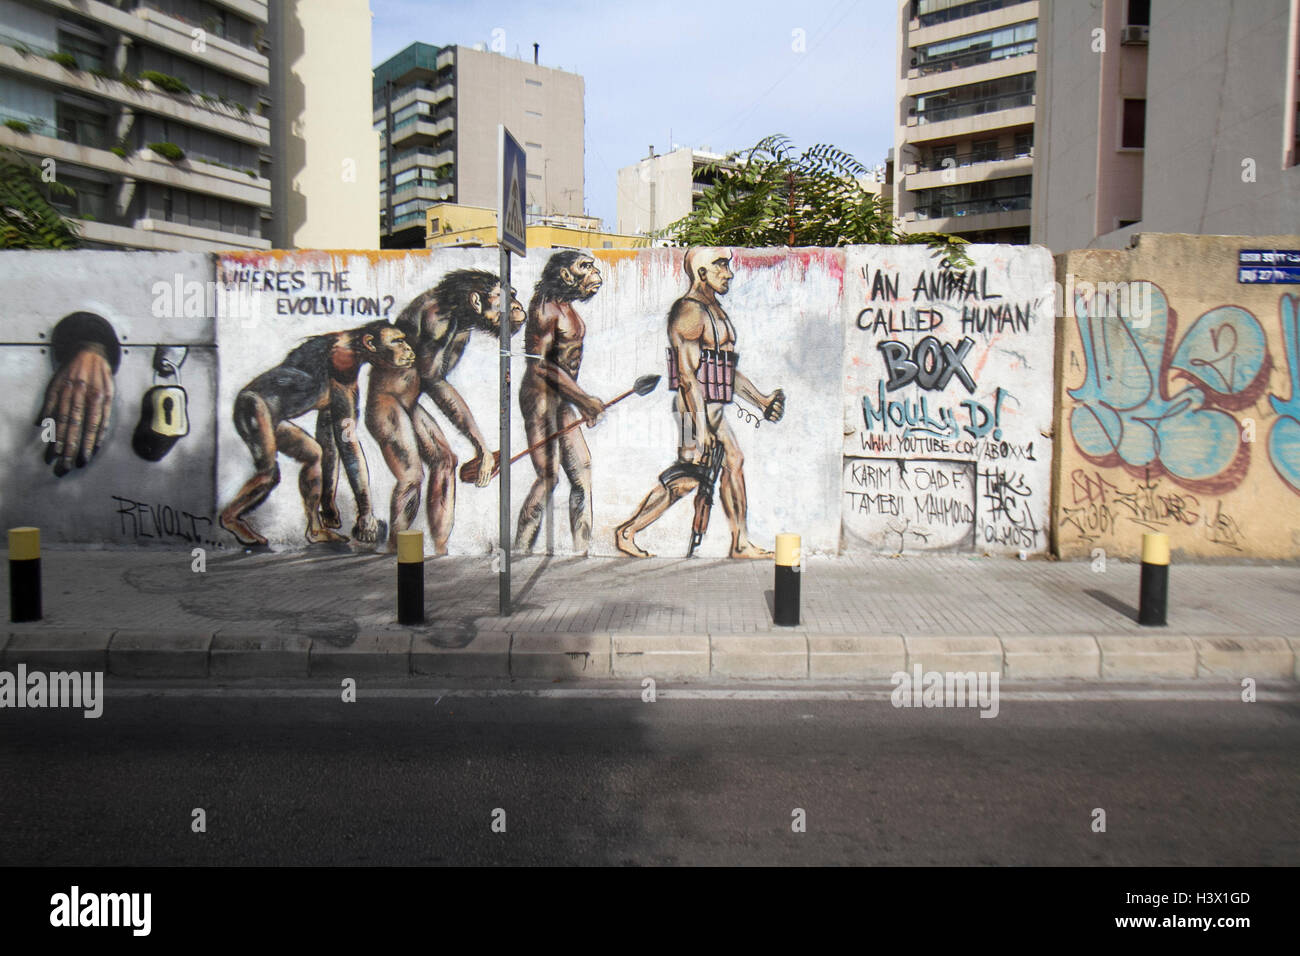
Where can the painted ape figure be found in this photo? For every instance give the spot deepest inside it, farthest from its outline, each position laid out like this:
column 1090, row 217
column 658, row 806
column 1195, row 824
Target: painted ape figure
column 438, row 323
column 550, row 397
column 702, row 363
column 319, row 374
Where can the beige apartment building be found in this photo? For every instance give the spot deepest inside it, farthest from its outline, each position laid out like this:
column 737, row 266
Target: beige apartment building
column 197, row 125
column 964, row 139
column 662, row 188
column 325, row 167
column 441, row 106
column 1166, row 116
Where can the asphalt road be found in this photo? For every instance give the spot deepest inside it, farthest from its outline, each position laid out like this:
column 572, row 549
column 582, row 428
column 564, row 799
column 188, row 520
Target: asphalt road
column 414, row 777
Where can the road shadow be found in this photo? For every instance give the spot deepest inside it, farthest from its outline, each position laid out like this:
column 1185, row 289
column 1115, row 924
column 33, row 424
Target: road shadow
column 1114, row 603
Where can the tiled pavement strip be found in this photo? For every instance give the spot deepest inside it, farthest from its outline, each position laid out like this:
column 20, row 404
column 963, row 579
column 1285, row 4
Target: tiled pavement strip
column 147, row 613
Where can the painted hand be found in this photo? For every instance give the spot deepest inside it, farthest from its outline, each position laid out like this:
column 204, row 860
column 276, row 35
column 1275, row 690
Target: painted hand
column 704, row 442
column 775, row 408
column 80, row 399
column 484, row 477
column 592, row 408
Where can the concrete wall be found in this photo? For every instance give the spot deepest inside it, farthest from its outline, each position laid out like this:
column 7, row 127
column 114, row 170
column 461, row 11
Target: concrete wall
column 1181, row 417
column 947, row 401
column 118, row 498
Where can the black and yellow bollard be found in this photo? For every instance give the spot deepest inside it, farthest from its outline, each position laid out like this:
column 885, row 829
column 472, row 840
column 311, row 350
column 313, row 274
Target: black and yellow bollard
column 410, row 577
column 785, row 604
column 1153, row 600
column 24, row 574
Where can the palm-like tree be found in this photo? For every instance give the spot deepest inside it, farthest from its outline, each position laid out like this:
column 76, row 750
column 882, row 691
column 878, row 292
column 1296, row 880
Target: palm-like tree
column 27, row 218
column 770, row 195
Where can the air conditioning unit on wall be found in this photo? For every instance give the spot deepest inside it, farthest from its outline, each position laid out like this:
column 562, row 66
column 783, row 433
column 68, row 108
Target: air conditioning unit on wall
column 1136, row 35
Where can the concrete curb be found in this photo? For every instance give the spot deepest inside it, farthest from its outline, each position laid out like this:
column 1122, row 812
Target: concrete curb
column 779, row 655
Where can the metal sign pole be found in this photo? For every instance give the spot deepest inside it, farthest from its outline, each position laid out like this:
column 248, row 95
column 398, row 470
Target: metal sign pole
column 505, row 312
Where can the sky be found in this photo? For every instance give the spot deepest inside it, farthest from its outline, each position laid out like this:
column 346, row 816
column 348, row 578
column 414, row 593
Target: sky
column 708, row 73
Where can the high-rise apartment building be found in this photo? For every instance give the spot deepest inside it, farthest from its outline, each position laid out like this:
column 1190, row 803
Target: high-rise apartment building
column 151, row 110
column 195, row 124
column 662, row 188
column 1163, row 116
column 437, row 110
column 964, row 140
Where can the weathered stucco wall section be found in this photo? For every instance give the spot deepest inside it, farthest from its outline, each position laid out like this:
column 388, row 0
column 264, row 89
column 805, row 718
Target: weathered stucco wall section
column 117, row 498
column 1181, row 415
column 947, row 400
column 787, row 311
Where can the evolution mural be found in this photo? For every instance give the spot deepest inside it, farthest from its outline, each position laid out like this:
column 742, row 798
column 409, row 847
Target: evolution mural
column 1181, row 416
column 947, row 401
column 649, row 327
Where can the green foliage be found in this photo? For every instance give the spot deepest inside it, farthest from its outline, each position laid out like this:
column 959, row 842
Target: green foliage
column 168, row 151
column 165, row 81
column 18, row 126
column 131, row 81
column 65, row 60
column 769, row 195
column 27, row 219
column 118, row 151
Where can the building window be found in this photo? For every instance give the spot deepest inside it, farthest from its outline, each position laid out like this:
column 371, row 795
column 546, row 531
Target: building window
column 88, row 53
column 1133, row 134
column 533, row 113
column 1024, row 144
column 533, row 145
column 1139, row 13
column 1016, row 40
column 984, row 150
column 533, row 82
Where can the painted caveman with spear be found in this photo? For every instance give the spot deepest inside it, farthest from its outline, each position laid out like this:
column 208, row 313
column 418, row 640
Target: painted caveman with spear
column 552, row 401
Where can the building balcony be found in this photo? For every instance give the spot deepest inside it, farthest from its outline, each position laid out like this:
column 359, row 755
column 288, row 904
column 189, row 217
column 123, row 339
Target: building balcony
column 425, row 158
column 919, row 82
column 185, row 108
column 254, row 10
column 974, row 217
column 919, row 36
column 969, row 168
column 445, row 58
column 419, row 128
column 439, row 192
column 167, row 236
column 145, row 165
column 432, row 97
column 1018, row 111
column 176, row 36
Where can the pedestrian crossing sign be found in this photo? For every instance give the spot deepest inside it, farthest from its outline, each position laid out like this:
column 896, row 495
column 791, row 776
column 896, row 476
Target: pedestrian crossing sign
column 511, row 228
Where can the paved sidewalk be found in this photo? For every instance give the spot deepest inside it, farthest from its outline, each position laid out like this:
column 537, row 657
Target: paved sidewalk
column 148, row 613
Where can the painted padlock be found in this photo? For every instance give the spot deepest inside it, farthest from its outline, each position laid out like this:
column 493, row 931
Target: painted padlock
column 164, row 420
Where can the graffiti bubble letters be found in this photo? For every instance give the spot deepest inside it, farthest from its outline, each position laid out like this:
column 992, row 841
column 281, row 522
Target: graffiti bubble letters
column 1284, row 436
column 930, row 364
column 1125, row 415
